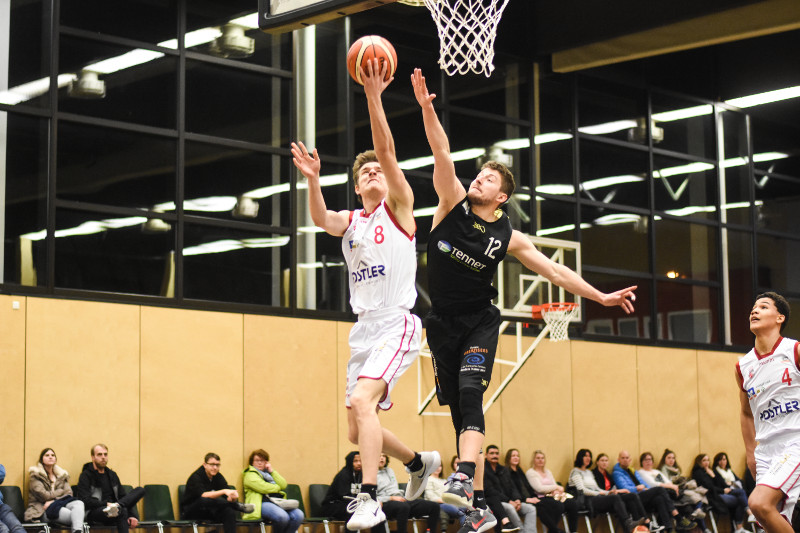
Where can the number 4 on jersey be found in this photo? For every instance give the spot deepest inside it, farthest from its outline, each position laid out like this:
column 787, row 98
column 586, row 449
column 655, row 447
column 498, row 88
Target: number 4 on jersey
column 786, row 378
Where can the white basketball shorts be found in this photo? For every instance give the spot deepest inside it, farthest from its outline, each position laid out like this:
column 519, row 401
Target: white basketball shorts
column 778, row 467
column 383, row 344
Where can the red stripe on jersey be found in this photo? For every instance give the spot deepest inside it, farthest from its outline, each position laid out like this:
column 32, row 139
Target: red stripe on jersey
column 797, row 355
column 739, row 376
column 408, row 346
column 391, row 216
column 770, row 352
column 350, row 220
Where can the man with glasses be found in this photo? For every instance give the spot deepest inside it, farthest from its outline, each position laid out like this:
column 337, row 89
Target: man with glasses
column 101, row 492
column 208, row 497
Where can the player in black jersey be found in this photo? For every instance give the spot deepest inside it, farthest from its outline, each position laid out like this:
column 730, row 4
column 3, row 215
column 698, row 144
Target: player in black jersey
column 470, row 235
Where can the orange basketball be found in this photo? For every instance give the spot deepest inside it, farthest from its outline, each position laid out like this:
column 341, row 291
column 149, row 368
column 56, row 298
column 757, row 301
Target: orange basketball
column 641, row 529
column 371, row 47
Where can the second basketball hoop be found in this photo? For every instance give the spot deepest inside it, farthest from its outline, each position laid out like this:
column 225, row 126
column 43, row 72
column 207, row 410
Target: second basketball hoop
column 467, row 30
column 557, row 315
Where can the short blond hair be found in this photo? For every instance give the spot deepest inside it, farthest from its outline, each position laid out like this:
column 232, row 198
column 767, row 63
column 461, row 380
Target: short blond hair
column 368, row 156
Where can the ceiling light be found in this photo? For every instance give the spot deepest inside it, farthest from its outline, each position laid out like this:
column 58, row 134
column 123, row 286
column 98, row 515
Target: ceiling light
column 765, row 98
column 245, row 207
column 672, row 274
column 680, row 114
column 32, row 89
column 608, row 127
column 682, row 169
column 513, row 144
column 544, row 138
column 233, row 43
column 121, row 62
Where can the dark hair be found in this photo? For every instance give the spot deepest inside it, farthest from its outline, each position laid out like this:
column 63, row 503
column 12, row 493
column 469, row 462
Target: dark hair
column 780, row 304
column 387, row 459
column 211, row 455
column 699, row 459
column 507, row 184
column 600, row 456
column 41, row 455
column 95, row 446
column 453, row 460
column 492, row 447
column 719, row 457
column 508, row 455
column 663, row 460
column 579, row 458
column 255, row 453
column 644, row 456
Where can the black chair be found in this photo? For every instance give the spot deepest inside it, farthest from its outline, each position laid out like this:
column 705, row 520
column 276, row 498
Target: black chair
column 12, row 496
column 316, row 495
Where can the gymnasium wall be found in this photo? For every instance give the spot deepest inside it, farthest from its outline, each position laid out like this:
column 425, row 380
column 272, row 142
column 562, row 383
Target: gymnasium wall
column 161, row 387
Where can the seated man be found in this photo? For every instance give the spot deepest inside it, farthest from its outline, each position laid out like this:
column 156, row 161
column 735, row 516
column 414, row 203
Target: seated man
column 208, row 497
column 655, row 499
column 8, row 521
column 497, row 485
column 395, row 505
column 103, row 497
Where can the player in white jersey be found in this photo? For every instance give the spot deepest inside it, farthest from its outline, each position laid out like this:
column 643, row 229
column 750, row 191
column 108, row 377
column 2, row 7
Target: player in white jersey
column 380, row 250
column 769, row 382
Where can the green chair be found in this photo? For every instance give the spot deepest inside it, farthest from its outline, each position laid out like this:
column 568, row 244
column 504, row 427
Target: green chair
column 316, row 495
column 157, row 507
column 12, row 496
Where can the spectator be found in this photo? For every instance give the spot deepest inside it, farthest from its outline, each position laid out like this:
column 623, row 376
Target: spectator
column 632, row 502
column 652, row 477
column 343, row 489
column 433, row 493
column 598, row 500
column 498, row 485
column 395, row 505
column 733, row 504
column 50, row 496
column 8, row 522
column 539, row 484
column 261, row 482
column 722, row 466
column 103, row 497
column 654, row 499
column 208, row 497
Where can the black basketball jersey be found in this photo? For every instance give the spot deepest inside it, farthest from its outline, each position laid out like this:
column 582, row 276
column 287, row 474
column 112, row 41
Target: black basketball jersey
column 463, row 253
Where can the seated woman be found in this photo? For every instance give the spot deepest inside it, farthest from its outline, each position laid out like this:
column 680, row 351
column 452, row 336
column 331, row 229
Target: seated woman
column 395, row 505
column 730, row 482
column 540, row 484
column 261, row 482
column 433, row 493
column 599, row 500
column 632, row 502
column 653, row 477
column 49, row 487
column 720, row 500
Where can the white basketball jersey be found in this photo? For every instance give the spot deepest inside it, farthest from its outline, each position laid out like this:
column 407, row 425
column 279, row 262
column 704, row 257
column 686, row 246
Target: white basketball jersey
column 382, row 261
column 772, row 384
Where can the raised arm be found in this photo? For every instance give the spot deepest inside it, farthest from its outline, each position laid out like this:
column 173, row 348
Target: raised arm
column 748, row 428
column 524, row 250
column 445, row 182
column 400, row 197
column 333, row 222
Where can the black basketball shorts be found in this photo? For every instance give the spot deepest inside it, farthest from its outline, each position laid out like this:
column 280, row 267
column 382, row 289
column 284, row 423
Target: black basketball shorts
column 463, row 349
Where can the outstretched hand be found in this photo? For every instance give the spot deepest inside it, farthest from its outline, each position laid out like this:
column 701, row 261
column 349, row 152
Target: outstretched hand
column 308, row 164
column 623, row 298
column 374, row 77
column 421, row 88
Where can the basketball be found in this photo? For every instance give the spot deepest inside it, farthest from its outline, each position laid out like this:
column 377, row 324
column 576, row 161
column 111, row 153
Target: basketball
column 371, row 47
column 641, row 529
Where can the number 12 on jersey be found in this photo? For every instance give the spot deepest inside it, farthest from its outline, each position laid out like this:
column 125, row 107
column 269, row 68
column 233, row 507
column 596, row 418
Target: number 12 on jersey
column 494, row 245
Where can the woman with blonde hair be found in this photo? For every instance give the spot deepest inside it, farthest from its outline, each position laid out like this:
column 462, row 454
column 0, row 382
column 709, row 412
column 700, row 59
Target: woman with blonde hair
column 50, row 496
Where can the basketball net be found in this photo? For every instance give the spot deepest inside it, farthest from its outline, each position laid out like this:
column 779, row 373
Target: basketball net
column 557, row 316
column 467, row 29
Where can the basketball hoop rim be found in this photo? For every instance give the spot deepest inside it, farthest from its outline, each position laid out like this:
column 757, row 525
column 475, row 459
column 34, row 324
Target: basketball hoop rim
column 558, row 306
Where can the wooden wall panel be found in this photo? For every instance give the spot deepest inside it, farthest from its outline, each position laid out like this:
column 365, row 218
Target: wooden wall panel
column 12, row 393
column 290, row 396
column 668, row 403
column 604, row 389
column 720, row 429
column 192, row 394
column 82, row 383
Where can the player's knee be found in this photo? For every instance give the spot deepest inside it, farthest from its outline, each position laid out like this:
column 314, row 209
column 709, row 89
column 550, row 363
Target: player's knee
column 471, row 406
column 760, row 504
column 361, row 403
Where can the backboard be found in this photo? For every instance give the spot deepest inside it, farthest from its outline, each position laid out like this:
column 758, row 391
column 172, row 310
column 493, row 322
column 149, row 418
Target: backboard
column 278, row 16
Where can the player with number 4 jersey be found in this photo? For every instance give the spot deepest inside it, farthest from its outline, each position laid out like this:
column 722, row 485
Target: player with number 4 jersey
column 769, row 382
